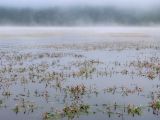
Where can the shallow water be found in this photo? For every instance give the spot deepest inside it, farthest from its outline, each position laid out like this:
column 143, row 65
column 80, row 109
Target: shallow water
column 37, row 73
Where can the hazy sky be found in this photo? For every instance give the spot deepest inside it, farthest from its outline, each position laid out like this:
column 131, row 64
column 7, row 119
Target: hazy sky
column 50, row 3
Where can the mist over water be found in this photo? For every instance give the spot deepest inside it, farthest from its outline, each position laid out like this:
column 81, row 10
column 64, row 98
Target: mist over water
column 77, row 13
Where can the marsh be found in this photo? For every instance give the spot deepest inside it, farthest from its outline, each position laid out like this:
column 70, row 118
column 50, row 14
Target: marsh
column 79, row 73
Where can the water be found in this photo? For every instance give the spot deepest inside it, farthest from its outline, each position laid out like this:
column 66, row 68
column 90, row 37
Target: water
column 39, row 72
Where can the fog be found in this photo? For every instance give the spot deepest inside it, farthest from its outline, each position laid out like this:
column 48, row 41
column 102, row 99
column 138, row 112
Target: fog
column 79, row 12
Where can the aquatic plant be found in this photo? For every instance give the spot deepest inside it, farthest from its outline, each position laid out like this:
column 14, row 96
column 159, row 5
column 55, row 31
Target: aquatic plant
column 50, row 116
column 75, row 110
column 16, row 109
column 134, row 110
column 155, row 104
column 151, row 75
column 123, row 90
column 23, row 106
column 69, row 112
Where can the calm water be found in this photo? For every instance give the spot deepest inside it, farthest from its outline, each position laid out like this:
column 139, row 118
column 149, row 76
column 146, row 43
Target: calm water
column 36, row 74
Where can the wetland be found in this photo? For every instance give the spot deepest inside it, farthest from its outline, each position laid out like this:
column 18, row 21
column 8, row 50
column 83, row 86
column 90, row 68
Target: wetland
column 79, row 73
